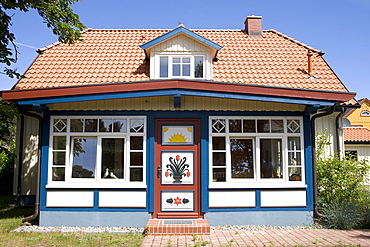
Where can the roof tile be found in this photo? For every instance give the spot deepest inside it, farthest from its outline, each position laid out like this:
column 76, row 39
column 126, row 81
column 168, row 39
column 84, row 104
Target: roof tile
column 356, row 134
column 114, row 56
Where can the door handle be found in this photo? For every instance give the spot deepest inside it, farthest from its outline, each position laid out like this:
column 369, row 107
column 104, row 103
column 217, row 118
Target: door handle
column 159, row 171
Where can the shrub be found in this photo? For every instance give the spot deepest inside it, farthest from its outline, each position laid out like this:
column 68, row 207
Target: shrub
column 342, row 214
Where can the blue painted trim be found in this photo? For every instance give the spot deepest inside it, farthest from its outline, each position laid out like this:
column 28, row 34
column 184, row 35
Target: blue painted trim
column 258, row 198
column 260, row 209
column 125, row 95
column 150, row 166
column 96, row 199
column 308, row 159
column 184, row 31
column 44, row 160
column 71, row 209
column 204, row 161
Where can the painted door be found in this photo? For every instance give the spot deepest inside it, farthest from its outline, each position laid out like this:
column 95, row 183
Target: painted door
column 177, row 168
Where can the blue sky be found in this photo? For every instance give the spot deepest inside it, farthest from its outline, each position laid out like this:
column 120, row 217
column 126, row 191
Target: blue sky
column 340, row 28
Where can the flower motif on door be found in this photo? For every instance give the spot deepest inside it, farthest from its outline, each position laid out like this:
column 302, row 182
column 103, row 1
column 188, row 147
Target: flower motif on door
column 177, row 167
column 177, row 200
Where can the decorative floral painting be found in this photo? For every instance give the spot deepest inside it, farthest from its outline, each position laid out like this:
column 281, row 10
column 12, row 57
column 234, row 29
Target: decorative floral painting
column 177, row 167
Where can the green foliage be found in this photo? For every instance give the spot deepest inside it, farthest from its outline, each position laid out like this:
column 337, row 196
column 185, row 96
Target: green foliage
column 341, row 190
column 341, row 214
column 57, row 15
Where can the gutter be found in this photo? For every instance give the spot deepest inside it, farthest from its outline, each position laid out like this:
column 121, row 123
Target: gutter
column 37, row 203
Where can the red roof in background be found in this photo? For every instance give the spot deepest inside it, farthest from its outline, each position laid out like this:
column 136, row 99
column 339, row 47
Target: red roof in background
column 356, row 134
column 114, row 56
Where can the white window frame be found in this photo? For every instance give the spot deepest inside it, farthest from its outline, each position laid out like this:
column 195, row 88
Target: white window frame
column 257, row 181
column 182, row 55
column 96, row 182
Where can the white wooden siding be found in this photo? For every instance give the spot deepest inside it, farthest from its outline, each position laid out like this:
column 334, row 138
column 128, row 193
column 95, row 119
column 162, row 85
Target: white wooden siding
column 232, row 199
column 165, row 103
column 283, row 199
column 30, row 157
column 135, row 199
column 70, row 199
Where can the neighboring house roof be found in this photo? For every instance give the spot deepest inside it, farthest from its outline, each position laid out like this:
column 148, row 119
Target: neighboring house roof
column 356, row 135
column 115, row 56
column 361, row 101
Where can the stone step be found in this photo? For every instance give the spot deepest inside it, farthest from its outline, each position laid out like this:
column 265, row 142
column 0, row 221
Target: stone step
column 177, row 227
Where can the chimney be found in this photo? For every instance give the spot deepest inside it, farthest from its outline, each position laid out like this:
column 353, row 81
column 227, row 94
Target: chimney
column 253, row 26
column 309, row 67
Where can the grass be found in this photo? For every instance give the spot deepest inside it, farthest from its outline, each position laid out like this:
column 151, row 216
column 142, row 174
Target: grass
column 10, row 218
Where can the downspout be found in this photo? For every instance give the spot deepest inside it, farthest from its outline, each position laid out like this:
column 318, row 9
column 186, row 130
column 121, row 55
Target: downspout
column 337, row 127
column 314, row 168
column 37, row 203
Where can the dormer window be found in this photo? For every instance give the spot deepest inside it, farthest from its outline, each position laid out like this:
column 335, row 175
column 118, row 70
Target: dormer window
column 172, row 66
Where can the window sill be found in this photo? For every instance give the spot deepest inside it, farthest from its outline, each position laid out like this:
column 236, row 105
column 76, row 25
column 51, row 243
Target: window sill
column 95, row 185
column 262, row 185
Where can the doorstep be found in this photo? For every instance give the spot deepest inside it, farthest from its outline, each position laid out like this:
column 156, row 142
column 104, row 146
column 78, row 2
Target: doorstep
column 177, row 227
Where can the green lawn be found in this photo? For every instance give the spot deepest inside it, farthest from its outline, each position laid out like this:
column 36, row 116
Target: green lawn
column 10, row 218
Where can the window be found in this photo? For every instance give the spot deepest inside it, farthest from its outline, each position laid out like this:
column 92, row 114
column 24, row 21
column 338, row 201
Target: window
column 97, row 149
column 256, row 149
column 181, row 66
column 351, row 154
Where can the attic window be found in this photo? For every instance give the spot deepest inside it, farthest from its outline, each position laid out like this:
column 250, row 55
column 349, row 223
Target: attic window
column 181, row 66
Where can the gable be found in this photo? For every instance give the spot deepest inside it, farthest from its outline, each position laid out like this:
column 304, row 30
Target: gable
column 360, row 116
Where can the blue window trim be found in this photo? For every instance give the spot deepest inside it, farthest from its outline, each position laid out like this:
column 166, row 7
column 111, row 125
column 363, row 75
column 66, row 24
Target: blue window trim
column 183, row 30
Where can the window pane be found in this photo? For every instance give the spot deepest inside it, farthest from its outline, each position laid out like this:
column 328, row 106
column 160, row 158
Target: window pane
column 60, row 125
column 294, row 159
column 219, row 175
column 176, row 69
column 218, row 125
column 58, row 174
column 84, row 158
column 198, row 70
column 218, row 143
column 163, row 67
column 241, row 158
column 59, row 142
column 186, row 59
column 136, row 174
column 91, row 125
column 263, row 126
column 235, row 125
column 105, row 125
column 295, row 174
column 277, row 126
column 112, row 158
column 136, row 143
column 137, row 125
column 186, row 70
column 136, row 159
column 59, row 158
column 271, row 158
column 294, row 143
column 219, row 159
column 77, row 125
column 176, row 60
column 294, row 126
column 351, row 154
column 119, row 125
column 249, row 126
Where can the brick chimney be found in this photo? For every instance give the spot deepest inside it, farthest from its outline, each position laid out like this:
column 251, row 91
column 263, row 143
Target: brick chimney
column 253, row 26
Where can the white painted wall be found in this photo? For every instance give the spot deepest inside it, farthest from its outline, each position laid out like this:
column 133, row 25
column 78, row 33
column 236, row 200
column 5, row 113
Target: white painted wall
column 136, row 199
column 283, row 199
column 232, row 199
column 70, row 199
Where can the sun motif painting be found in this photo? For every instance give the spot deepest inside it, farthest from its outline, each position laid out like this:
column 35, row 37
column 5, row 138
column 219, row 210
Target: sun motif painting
column 177, row 135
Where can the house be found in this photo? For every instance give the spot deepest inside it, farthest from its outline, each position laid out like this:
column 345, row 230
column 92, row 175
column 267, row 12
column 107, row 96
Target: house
column 360, row 116
column 132, row 125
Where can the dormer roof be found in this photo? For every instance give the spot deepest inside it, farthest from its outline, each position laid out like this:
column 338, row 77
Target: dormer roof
column 178, row 31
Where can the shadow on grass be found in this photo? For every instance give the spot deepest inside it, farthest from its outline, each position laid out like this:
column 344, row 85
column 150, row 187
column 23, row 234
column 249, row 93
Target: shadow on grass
column 7, row 212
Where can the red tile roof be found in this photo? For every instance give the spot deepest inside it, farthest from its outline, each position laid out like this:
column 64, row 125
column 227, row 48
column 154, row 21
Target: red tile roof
column 356, row 134
column 113, row 56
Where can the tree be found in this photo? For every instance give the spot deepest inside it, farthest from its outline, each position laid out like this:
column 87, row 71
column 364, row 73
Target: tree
column 57, row 15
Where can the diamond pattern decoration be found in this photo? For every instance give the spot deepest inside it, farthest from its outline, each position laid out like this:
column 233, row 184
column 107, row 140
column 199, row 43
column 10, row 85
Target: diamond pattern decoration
column 293, row 126
column 218, row 125
column 137, row 125
column 60, row 125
